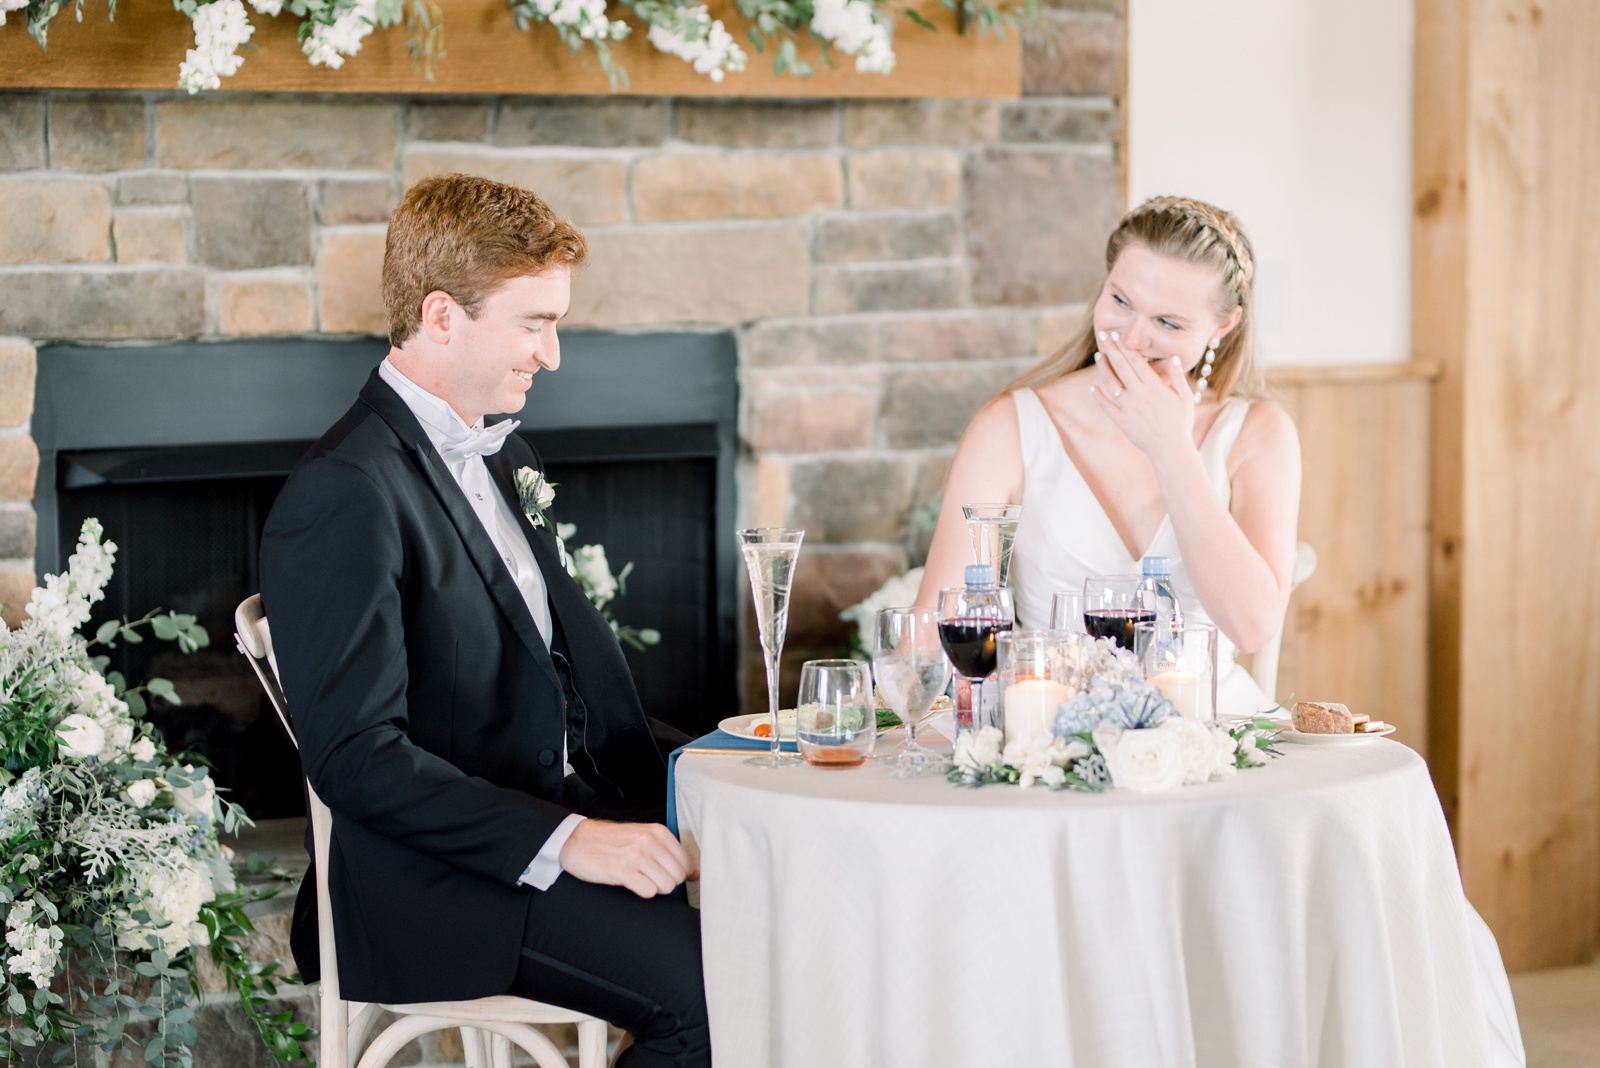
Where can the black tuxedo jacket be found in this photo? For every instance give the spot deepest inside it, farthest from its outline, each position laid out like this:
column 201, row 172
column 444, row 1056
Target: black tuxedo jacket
column 429, row 712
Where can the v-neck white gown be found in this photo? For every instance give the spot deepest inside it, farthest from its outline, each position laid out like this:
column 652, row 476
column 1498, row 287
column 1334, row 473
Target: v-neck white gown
column 1065, row 536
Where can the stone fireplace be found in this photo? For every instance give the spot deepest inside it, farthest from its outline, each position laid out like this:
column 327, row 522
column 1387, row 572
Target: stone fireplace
column 877, row 268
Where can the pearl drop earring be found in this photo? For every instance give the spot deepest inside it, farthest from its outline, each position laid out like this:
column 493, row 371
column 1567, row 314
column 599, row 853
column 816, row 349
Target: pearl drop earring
column 1205, row 369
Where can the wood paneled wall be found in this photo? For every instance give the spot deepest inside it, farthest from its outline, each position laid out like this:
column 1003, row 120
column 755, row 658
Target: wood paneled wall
column 1357, row 630
column 1507, row 300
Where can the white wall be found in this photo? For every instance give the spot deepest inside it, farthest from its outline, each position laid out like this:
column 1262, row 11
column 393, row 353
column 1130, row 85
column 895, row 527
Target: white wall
column 1296, row 116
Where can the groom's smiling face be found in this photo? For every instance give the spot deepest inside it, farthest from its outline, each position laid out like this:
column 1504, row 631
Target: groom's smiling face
column 491, row 359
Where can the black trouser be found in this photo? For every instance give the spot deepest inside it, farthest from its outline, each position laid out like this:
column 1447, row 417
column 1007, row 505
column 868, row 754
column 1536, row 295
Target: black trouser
column 633, row 961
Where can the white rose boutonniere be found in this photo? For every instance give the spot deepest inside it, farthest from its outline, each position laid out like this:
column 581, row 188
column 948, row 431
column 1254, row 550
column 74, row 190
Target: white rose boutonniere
column 535, row 492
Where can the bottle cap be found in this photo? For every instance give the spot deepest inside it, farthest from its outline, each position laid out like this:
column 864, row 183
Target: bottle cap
column 980, row 575
column 1157, row 566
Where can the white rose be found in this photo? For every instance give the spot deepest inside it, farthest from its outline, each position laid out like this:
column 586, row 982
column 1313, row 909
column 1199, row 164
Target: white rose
column 80, row 737
column 1225, row 767
column 1198, row 746
column 593, row 568
column 143, row 792
column 119, row 735
column 1148, row 759
column 1106, row 736
column 1247, row 750
column 978, row 749
column 143, row 750
column 197, row 800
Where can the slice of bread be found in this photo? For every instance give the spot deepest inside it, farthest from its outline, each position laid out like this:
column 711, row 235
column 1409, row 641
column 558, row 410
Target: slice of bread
column 1319, row 717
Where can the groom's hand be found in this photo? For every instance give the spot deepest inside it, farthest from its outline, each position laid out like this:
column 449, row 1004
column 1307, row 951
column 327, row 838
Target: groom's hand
column 643, row 857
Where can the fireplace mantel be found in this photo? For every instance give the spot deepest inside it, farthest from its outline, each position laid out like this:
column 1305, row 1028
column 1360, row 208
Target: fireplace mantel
column 487, row 54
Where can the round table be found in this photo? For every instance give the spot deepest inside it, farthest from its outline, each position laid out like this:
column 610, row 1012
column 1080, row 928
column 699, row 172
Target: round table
column 1309, row 912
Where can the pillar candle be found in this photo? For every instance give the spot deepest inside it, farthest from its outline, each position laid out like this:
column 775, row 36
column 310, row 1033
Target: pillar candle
column 1030, row 707
column 1188, row 692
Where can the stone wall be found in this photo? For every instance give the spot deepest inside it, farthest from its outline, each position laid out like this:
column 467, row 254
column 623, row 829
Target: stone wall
column 886, row 265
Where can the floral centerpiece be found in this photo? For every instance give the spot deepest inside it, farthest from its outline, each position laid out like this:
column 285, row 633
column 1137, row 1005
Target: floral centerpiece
column 111, row 874
column 587, row 564
column 898, row 592
column 332, row 30
column 1118, row 731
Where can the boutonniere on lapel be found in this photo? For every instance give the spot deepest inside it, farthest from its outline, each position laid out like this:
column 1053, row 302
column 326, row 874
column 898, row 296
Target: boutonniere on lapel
column 535, row 492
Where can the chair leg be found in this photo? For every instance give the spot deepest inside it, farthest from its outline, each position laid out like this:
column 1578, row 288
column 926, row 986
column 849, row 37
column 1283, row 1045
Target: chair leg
column 592, row 1044
column 472, row 1048
column 499, row 1051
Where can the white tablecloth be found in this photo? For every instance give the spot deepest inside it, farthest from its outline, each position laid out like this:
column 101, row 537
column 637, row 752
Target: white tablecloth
column 1306, row 913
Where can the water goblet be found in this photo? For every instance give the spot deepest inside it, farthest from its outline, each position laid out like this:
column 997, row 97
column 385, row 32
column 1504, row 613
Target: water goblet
column 1066, row 611
column 909, row 665
column 769, row 557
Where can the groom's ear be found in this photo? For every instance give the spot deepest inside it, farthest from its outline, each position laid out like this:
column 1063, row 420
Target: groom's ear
column 439, row 315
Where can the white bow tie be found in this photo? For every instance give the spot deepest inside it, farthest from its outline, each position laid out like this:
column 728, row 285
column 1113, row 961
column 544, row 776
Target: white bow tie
column 485, row 442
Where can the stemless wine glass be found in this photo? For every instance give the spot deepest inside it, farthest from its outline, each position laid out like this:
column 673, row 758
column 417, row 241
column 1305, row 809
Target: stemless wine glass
column 993, row 529
column 1066, row 611
column 1113, row 604
column 835, row 721
column 769, row 556
column 911, row 671
column 969, row 619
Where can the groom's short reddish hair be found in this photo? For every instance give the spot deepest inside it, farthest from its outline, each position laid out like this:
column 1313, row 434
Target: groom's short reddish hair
column 468, row 236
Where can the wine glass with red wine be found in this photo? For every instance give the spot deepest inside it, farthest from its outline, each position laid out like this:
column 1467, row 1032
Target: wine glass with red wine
column 969, row 620
column 1113, row 605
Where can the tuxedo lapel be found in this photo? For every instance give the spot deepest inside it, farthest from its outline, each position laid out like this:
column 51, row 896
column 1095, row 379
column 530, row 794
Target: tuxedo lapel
column 474, row 539
column 543, row 542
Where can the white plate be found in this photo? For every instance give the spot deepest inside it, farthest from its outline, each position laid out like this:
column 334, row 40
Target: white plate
column 744, row 726
column 1289, row 734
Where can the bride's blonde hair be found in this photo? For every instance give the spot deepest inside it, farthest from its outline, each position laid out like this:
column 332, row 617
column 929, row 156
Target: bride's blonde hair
column 1194, row 232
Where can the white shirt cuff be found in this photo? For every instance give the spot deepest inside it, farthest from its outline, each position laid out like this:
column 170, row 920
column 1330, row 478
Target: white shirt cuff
column 546, row 867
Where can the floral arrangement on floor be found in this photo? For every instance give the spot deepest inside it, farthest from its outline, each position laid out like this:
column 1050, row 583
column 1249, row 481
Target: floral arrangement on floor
column 332, row 30
column 111, row 874
column 587, row 564
column 1119, row 731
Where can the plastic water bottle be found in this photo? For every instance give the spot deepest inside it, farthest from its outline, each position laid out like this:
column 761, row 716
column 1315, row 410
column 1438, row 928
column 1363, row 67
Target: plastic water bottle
column 1157, row 572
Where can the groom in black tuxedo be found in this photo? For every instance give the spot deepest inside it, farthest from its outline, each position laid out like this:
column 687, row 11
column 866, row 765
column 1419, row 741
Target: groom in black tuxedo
column 460, row 706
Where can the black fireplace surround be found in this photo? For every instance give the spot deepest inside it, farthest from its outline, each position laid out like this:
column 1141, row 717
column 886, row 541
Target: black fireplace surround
column 180, row 450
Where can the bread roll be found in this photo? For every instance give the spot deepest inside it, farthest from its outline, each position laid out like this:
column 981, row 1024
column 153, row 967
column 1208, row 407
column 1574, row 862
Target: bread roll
column 1318, row 717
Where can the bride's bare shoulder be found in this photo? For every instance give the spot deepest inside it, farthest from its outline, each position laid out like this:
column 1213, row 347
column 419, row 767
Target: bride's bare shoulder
column 1268, row 431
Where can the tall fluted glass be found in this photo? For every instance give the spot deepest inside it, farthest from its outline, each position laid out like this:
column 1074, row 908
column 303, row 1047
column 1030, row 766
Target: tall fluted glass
column 769, row 557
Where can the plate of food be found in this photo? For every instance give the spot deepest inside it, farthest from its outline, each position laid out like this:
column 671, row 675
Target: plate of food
column 757, row 726
column 1326, row 723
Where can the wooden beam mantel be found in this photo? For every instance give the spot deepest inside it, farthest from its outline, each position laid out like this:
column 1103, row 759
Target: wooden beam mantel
column 487, row 54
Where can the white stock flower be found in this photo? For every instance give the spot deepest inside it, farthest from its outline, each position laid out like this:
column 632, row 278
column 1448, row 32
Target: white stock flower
column 142, row 791
column 219, row 29
column 979, row 749
column 1146, row 759
column 199, row 799
column 1248, row 751
column 143, row 750
column 78, row 737
column 38, row 947
column 591, row 569
column 1032, row 755
column 270, row 8
column 1053, row 776
column 20, row 803
column 1198, row 745
column 10, row 5
column 700, row 40
column 328, row 45
column 854, row 28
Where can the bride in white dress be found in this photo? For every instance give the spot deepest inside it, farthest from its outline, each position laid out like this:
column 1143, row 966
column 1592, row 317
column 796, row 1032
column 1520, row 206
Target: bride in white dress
column 1145, row 436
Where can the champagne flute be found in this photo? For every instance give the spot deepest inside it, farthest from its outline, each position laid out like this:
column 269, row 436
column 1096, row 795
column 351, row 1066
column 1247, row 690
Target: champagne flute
column 769, row 557
column 993, row 529
column 911, row 672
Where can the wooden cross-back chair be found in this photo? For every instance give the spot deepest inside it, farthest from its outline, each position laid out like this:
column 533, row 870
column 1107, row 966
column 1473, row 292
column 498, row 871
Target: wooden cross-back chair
column 489, row 1026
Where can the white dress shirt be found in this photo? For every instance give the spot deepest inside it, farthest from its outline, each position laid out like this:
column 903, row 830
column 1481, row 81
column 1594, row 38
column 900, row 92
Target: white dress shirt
column 447, row 430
